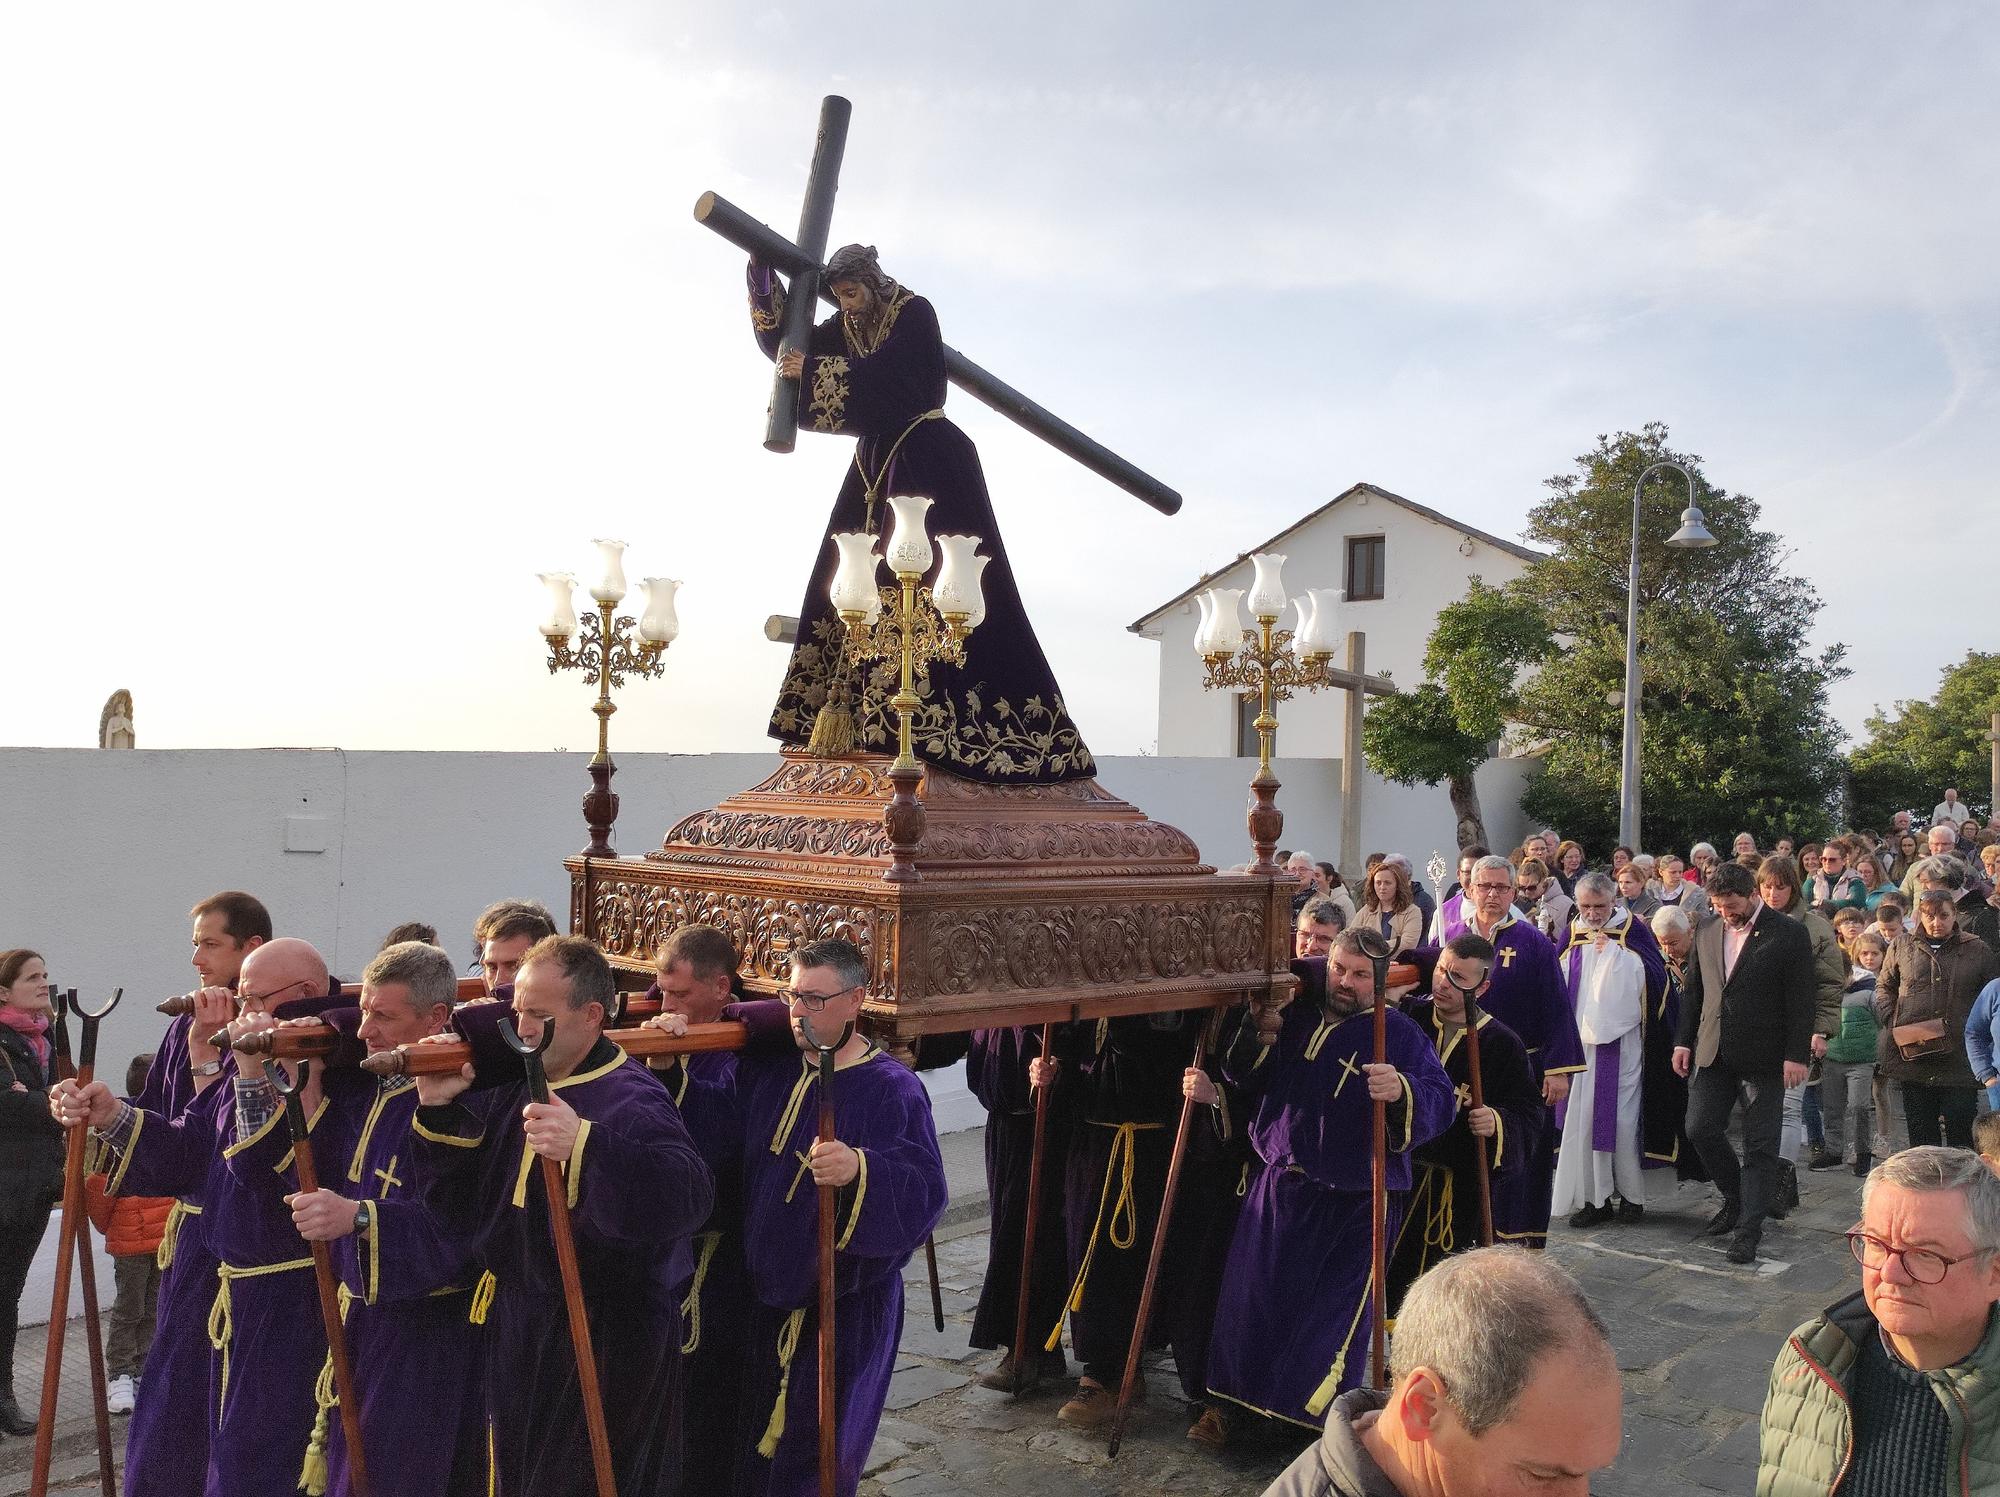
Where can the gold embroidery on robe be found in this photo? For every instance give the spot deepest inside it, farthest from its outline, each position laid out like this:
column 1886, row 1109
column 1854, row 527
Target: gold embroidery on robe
column 998, row 740
column 829, row 393
column 767, row 312
column 863, row 344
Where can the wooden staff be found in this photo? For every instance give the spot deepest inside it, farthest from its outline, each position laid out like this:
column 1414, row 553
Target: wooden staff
column 829, row 1455
column 329, row 1295
column 572, row 1277
column 937, row 1294
column 1378, row 953
column 1035, row 1158
column 1478, row 1139
column 73, row 1243
column 1130, row 1381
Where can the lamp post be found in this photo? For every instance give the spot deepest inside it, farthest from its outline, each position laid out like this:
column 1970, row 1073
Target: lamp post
column 912, row 625
column 1692, row 536
column 611, row 649
column 1276, row 662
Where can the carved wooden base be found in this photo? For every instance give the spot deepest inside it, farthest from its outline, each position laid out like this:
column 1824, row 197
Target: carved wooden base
column 600, row 810
column 904, row 822
column 1267, row 822
column 1033, row 903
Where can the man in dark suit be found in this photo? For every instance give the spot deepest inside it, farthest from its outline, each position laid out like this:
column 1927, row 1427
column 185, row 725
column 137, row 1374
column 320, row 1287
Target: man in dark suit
column 1746, row 1034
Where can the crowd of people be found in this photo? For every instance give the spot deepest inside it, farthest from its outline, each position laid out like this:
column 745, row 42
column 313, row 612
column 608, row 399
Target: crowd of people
column 1570, row 1028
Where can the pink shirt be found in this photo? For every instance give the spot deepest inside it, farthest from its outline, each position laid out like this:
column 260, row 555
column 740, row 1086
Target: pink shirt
column 1733, row 940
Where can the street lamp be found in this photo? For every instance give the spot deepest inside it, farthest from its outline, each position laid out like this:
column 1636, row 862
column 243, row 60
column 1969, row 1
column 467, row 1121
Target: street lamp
column 1692, row 536
column 612, row 648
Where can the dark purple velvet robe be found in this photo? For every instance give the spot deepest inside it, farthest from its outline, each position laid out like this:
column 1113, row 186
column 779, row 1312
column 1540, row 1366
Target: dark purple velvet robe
column 1129, row 1069
column 882, row 1111
column 638, row 1192
column 996, row 1069
column 1441, row 1216
column 999, row 717
column 1293, row 1323
column 265, row 1311
column 415, row 1327
column 166, row 1443
column 703, row 1088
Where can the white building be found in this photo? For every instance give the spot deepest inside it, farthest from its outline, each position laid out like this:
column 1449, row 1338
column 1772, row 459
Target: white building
column 1398, row 562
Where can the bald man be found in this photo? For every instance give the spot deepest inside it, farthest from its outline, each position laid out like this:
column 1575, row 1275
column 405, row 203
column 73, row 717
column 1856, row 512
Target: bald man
column 230, row 1149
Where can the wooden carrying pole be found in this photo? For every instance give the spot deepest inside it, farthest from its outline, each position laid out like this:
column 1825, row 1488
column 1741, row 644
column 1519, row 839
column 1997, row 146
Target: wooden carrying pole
column 572, row 1277
column 323, row 1278
column 73, row 1245
column 1378, row 1175
column 829, row 1445
column 1478, row 1139
column 1128, row 1383
column 781, row 423
column 1033, row 1225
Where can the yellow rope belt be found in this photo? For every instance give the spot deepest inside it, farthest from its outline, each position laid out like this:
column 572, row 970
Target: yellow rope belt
column 871, row 488
column 788, row 1343
column 221, row 1328
column 1123, row 1206
column 691, row 1306
column 170, row 1237
column 1330, row 1385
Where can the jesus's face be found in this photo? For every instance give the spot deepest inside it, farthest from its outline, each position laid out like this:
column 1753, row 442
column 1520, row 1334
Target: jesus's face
column 852, row 296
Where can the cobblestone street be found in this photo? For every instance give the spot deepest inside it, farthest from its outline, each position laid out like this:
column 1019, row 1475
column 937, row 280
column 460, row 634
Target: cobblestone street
column 1695, row 1338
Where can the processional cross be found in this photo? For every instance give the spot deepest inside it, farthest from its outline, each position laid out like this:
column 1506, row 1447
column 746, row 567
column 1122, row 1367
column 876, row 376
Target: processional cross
column 801, row 260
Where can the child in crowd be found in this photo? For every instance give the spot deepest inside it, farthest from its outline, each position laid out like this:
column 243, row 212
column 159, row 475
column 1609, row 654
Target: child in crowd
column 1847, row 1073
column 1889, row 919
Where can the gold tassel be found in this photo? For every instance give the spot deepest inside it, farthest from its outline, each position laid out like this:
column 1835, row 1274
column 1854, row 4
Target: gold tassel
column 313, row 1476
column 833, row 732
column 788, row 1343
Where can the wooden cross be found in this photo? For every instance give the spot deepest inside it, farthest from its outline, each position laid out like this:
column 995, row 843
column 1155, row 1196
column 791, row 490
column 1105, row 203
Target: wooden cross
column 801, row 261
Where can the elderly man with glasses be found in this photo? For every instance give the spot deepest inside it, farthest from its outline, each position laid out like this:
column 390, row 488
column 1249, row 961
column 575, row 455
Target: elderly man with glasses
column 1896, row 1390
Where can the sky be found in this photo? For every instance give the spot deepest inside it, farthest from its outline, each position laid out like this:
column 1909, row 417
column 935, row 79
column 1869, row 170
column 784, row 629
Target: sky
column 326, row 328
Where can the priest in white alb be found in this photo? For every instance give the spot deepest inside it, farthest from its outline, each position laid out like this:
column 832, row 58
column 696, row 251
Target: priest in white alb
column 1599, row 1149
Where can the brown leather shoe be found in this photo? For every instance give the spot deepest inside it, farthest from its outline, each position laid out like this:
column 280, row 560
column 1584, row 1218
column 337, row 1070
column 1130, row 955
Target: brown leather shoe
column 1211, row 1429
column 1093, row 1405
column 1004, row 1379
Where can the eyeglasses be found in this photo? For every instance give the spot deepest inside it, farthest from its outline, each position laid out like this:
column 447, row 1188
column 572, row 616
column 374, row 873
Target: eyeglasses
column 812, row 1003
column 1921, row 1264
column 244, row 997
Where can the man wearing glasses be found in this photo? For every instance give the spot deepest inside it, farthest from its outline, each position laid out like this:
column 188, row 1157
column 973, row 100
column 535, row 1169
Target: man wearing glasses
column 1893, row 1389
column 889, row 1185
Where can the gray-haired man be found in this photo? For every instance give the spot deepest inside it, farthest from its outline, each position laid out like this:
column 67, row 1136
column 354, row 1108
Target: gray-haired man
column 1478, row 1402
column 1892, row 1390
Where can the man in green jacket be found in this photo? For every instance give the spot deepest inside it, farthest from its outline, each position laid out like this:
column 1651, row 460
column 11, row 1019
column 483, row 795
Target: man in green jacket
column 1896, row 1390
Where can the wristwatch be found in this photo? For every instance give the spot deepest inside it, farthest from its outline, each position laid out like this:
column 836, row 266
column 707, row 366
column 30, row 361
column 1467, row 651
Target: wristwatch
column 364, row 1217
column 210, row 1068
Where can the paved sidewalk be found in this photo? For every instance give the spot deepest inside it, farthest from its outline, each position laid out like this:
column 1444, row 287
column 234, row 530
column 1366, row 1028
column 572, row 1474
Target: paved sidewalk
column 1695, row 1337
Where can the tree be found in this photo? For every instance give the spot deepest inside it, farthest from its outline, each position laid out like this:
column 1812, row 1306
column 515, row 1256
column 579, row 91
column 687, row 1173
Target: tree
column 1442, row 731
column 1734, row 733
column 1910, row 756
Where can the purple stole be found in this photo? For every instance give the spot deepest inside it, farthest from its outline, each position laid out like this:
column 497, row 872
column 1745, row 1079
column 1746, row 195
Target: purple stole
column 1604, row 1099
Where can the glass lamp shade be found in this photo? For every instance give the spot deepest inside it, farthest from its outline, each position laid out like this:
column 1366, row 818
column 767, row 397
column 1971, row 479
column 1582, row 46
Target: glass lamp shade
column 1225, row 631
column 1318, row 622
column 1206, row 602
column 1267, row 589
column 956, row 590
column 610, row 587
column 978, row 614
column 853, row 588
column 909, row 551
column 657, row 623
column 561, row 620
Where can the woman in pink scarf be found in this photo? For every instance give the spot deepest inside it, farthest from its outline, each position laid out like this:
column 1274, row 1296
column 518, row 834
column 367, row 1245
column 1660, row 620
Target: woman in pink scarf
column 31, row 1149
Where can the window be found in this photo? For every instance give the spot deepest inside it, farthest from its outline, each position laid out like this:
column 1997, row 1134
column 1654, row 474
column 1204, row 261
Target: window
column 1247, row 705
column 1364, row 568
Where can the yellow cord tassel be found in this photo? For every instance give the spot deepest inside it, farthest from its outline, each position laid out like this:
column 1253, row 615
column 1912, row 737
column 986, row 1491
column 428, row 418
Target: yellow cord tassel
column 833, row 731
column 313, row 1476
column 788, row 1342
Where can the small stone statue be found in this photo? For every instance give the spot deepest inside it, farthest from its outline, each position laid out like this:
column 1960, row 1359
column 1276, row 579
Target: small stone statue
column 114, row 723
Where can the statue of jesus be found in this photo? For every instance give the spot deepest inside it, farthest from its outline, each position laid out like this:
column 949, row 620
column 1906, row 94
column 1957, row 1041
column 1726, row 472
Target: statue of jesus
column 875, row 371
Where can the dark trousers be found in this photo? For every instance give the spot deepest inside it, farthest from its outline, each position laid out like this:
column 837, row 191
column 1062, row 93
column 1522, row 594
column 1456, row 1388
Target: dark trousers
column 1713, row 1094
column 17, row 1252
column 1939, row 1114
column 131, row 1333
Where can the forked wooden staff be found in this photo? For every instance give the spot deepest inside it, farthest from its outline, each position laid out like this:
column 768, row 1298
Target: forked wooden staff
column 572, row 1277
column 1478, row 1101
column 74, row 1242
column 1378, row 953
column 329, row 1293
column 1130, row 1381
column 829, row 1445
column 1035, row 1159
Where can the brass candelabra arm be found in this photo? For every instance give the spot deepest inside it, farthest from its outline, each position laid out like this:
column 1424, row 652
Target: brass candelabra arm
column 931, row 637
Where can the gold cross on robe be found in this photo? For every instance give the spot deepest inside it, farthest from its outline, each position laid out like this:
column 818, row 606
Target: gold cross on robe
column 1347, row 1068
column 388, row 1179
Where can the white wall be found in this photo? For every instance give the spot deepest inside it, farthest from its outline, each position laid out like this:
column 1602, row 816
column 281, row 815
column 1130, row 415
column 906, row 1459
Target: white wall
column 1423, row 571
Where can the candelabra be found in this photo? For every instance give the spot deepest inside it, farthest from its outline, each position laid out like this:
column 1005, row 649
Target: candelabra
column 611, row 648
column 913, row 625
column 1275, row 662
